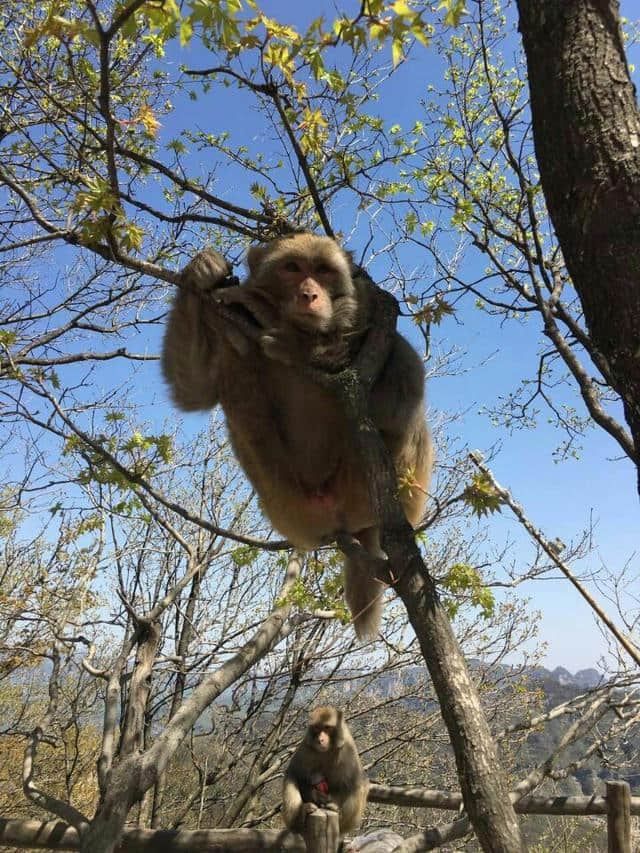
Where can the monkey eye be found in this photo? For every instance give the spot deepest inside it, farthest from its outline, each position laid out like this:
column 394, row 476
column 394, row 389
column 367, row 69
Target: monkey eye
column 323, row 269
column 291, row 266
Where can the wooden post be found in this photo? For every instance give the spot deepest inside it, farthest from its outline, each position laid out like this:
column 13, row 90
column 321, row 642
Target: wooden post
column 619, row 817
column 321, row 832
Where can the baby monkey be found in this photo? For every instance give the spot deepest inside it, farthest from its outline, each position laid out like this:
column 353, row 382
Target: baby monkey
column 325, row 771
column 308, row 306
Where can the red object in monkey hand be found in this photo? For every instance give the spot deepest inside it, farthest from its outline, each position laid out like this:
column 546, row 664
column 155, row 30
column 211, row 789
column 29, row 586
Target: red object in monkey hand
column 320, row 784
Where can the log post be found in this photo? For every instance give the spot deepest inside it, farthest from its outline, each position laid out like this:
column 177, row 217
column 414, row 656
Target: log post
column 321, row 831
column 619, row 817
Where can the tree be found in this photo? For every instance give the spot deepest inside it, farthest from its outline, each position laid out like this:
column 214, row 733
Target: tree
column 586, row 124
column 154, row 688
column 116, row 144
column 103, row 185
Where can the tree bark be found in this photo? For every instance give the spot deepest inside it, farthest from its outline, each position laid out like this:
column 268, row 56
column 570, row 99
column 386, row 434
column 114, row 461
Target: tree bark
column 321, row 832
column 482, row 780
column 56, row 835
column 529, row 804
column 619, row 817
column 586, row 130
column 182, row 648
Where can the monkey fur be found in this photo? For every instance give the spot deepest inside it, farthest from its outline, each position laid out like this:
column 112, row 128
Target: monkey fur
column 288, row 433
column 325, row 772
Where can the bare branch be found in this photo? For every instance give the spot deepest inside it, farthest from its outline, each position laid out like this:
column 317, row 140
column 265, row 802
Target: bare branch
column 46, row 801
column 552, row 552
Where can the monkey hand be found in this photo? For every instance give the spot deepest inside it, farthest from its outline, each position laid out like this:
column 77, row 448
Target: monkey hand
column 310, row 808
column 330, row 806
column 320, row 790
column 261, row 311
column 207, row 271
column 321, row 800
column 276, row 347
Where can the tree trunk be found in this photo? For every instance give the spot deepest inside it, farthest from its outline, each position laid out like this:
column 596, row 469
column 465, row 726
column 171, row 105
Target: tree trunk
column 137, row 772
column 619, row 817
column 483, row 782
column 182, row 649
column 586, row 130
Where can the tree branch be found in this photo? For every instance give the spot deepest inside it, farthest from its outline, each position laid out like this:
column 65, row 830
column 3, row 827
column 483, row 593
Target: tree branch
column 552, row 553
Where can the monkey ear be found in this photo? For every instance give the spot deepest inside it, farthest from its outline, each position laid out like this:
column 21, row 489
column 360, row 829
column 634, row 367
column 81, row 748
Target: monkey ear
column 255, row 256
column 340, row 730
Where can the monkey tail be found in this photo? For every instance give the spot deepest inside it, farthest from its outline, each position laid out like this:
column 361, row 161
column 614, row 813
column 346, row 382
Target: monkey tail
column 363, row 594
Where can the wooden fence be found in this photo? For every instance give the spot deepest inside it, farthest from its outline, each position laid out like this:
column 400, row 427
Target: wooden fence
column 322, row 832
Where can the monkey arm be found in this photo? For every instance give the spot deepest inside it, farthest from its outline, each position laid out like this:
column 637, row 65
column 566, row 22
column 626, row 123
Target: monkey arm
column 209, row 306
column 253, row 307
column 293, row 808
column 189, row 354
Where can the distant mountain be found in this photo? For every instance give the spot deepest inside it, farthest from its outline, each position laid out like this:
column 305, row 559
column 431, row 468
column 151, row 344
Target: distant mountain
column 550, row 679
column 584, row 678
column 588, row 677
column 559, row 685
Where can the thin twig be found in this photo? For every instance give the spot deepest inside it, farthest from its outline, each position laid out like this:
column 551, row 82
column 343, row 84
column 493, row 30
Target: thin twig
column 552, row 553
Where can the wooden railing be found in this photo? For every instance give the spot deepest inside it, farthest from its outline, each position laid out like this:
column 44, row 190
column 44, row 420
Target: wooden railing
column 321, row 834
column 618, row 805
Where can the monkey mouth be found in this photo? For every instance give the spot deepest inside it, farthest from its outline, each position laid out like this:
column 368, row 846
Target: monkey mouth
column 311, row 323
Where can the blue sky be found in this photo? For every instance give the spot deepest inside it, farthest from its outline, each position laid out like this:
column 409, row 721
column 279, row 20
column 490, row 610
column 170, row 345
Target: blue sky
column 561, row 498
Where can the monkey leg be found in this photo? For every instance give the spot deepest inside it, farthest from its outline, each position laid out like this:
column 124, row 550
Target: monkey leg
column 413, row 463
column 397, row 409
column 352, row 808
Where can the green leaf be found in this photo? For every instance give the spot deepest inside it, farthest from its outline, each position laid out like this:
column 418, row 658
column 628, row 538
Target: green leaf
column 397, row 54
column 463, row 580
column 481, row 495
column 455, row 9
column 186, row 31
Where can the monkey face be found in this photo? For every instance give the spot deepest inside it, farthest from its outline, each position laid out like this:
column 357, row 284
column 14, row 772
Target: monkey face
column 322, row 734
column 322, row 737
column 308, row 290
column 308, row 278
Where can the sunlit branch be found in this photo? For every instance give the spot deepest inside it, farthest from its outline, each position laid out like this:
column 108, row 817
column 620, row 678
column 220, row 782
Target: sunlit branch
column 552, row 552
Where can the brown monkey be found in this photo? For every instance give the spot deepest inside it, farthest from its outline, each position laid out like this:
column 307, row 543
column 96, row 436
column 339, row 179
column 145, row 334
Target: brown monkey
column 289, row 434
column 325, row 771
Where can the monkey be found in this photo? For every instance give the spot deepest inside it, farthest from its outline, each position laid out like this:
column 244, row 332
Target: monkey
column 311, row 307
column 325, row 772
